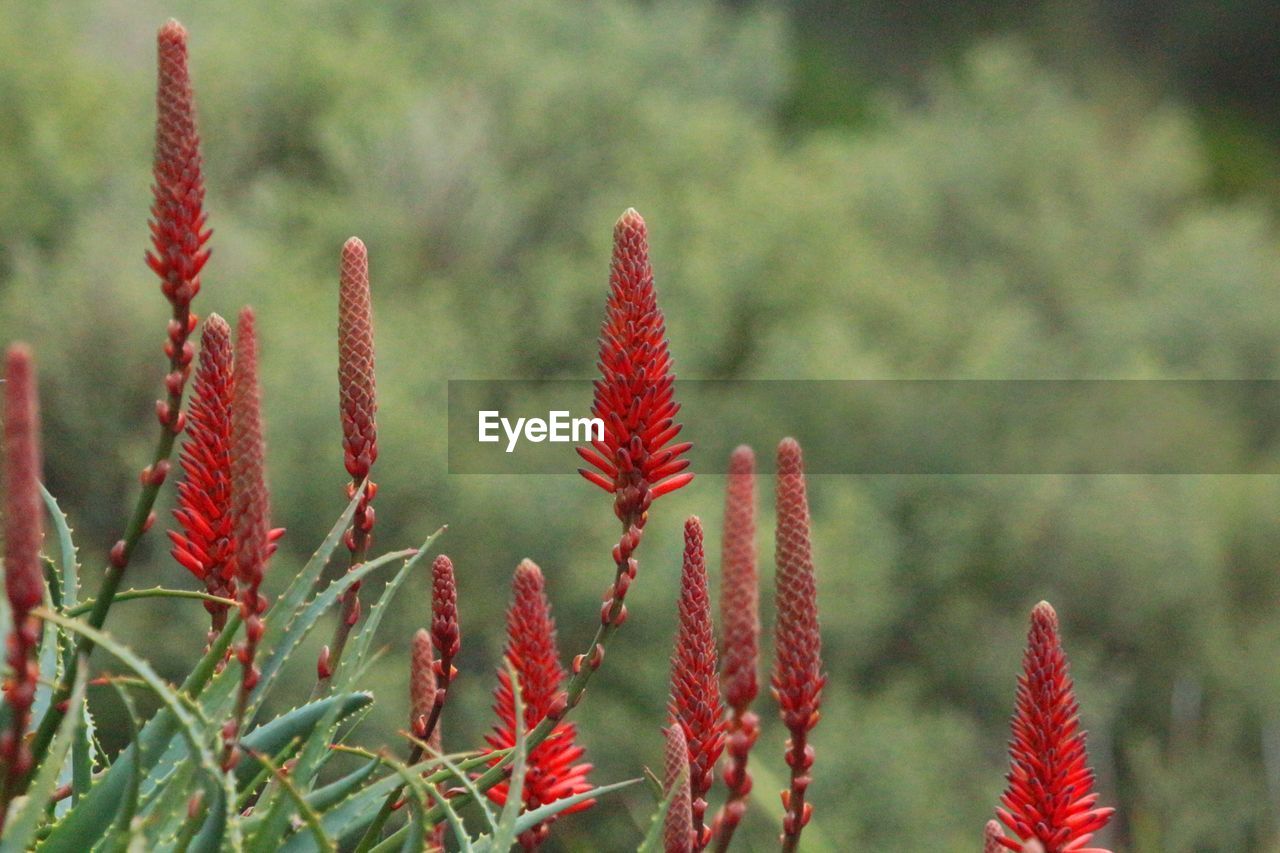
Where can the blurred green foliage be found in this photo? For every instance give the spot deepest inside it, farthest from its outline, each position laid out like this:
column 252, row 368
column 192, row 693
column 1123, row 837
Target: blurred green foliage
column 1003, row 222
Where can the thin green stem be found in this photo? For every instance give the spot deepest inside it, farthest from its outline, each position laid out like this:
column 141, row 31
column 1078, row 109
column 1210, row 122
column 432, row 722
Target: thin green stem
column 157, row 592
column 350, row 599
column 370, row 837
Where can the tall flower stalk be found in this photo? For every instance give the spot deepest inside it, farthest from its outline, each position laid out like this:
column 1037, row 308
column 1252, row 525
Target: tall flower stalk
column 1050, row 798
column 357, row 406
column 797, row 674
column 250, row 515
column 23, row 575
column 552, row 771
column 740, row 623
column 179, row 235
column 695, row 704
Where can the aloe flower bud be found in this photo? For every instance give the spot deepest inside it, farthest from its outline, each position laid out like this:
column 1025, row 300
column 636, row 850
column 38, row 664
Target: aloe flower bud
column 797, row 674
column 991, row 837
column 23, row 575
column 695, row 690
column 532, row 653
column 422, row 687
column 205, row 545
column 1050, row 798
column 677, row 828
column 358, row 402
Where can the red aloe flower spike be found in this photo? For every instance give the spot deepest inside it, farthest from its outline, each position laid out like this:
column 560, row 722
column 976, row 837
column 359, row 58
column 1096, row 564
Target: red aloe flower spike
column 23, row 575
column 797, row 675
column 1050, row 796
column 357, row 408
column 445, row 633
column 695, row 691
column 740, row 618
column 178, row 232
column 250, row 508
column 531, row 652
column 422, row 688
column 677, row 828
column 205, row 545
column 635, row 460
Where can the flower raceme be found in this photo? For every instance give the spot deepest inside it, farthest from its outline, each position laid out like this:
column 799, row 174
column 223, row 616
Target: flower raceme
column 677, row 827
column 797, row 674
column 1050, row 798
column 636, row 460
column 695, row 704
column 532, row 654
column 357, row 396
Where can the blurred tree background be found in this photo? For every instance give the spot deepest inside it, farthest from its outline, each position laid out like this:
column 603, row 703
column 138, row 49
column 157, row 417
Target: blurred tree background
column 872, row 189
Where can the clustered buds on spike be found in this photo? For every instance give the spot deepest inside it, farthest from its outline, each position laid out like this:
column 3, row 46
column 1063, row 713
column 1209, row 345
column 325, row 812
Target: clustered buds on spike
column 358, row 402
column 178, row 219
column 677, row 827
column 635, row 461
column 250, row 501
column 206, row 543
column 532, row 654
column 695, row 690
column 23, row 575
column 740, row 620
column 422, row 688
column 797, row 675
column 1050, row 797
column 445, row 633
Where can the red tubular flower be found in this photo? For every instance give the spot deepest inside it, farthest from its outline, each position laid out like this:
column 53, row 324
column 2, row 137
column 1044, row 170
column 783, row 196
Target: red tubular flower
column 797, row 675
column 23, row 575
column 677, row 828
column 178, row 232
column 636, row 461
column 1050, row 796
column 695, row 691
column 740, row 619
column 205, row 545
column 531, row 653
column 249, row 499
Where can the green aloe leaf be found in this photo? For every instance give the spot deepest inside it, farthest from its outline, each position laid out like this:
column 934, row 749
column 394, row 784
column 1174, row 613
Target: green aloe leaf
column 299, row 724
column 67, row 564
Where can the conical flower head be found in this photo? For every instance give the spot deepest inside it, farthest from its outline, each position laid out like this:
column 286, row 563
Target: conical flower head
column 695, row 703
column 636, row 460
column 677, row 827
column 532, row 654
column 445, row 632
column 23, row 508
column 740, row 594
column 797, row 674
column 1050, row 798
column 358, row 402
column 178, row 232
column 250, row 501
column 205, row 545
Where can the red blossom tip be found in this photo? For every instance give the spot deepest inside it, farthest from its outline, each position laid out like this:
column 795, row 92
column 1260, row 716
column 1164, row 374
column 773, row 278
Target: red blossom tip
column 358, row 401
column 445, row 632
column 1049, row 800
column 636, row 459
column 695, row 691
column 531, row 653
column 677, row 828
